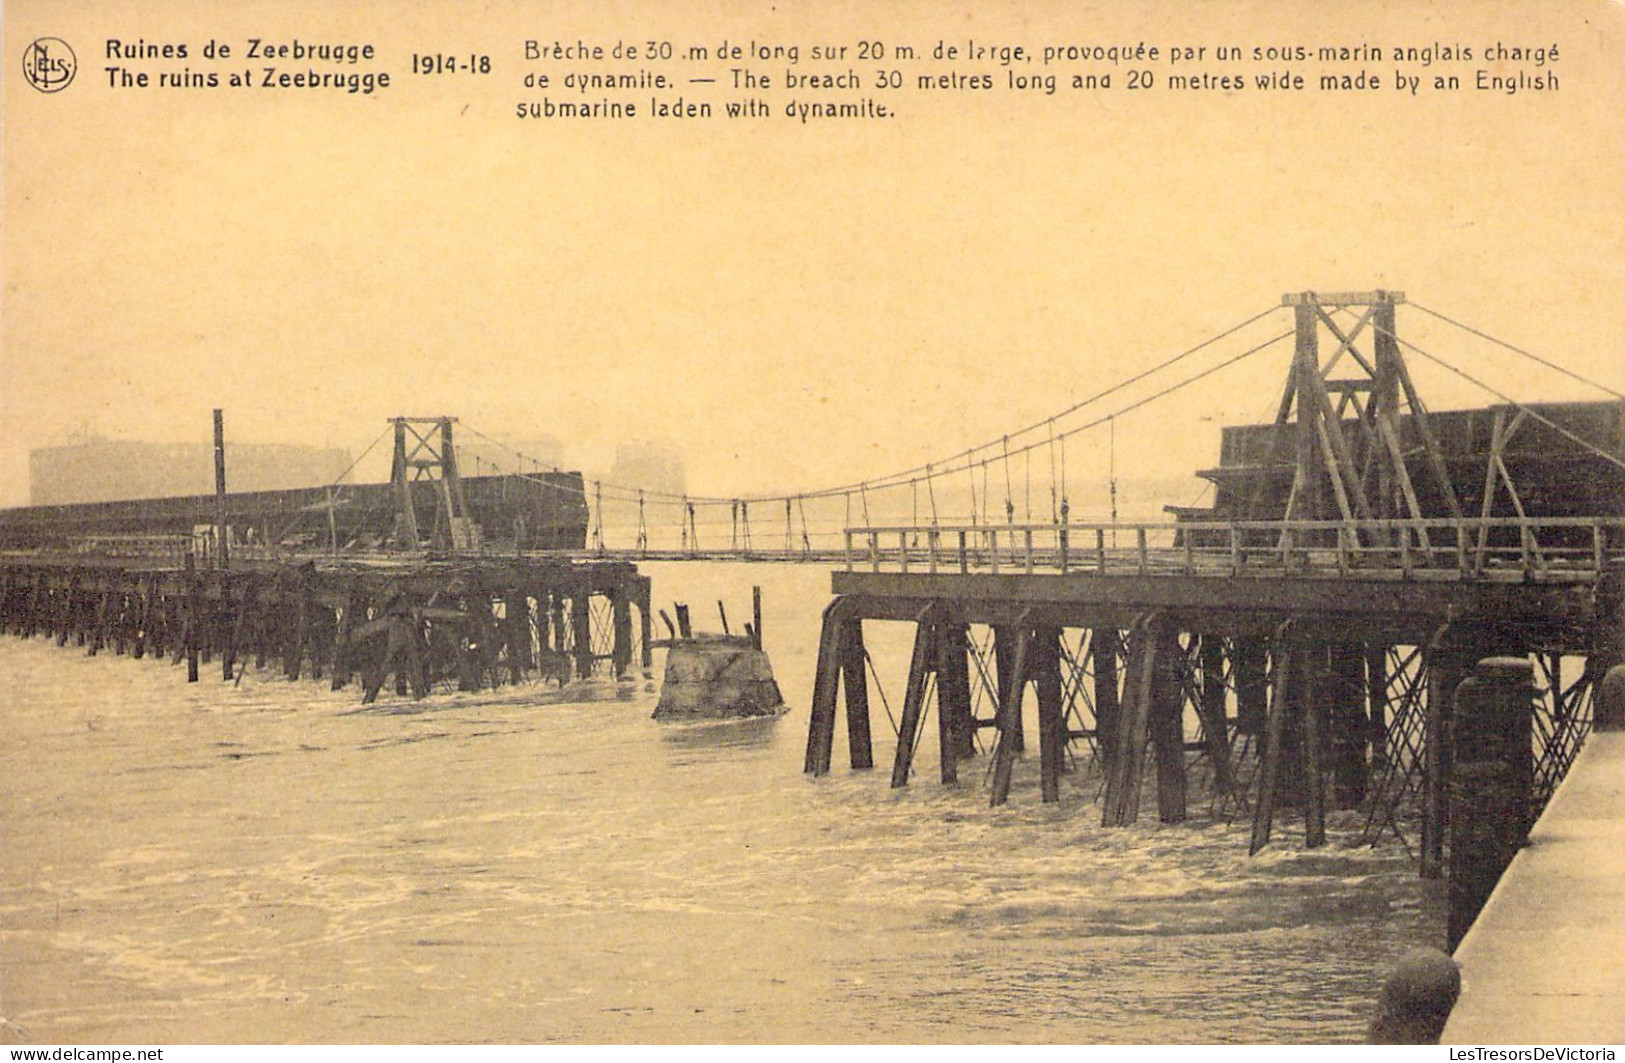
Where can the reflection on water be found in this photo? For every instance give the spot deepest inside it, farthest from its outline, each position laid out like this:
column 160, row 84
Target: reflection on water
column 754, row 733
column 272, row 862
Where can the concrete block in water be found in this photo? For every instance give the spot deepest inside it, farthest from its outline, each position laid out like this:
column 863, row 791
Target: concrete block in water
column 717, row 678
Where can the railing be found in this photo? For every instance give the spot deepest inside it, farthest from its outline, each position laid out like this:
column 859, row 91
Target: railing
column 1557, row 548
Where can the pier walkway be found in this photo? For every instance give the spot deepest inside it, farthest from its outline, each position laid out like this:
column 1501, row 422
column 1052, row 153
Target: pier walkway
column 1545, row 961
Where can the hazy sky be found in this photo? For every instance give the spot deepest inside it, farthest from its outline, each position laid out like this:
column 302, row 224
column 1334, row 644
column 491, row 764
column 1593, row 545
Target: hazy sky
column 793, row 304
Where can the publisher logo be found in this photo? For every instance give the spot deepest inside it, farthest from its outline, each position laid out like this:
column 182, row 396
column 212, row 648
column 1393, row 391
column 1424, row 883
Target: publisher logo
column 49, row 64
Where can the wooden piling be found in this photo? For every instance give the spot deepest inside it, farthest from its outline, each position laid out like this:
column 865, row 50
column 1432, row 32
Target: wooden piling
column 621, row 617
column 919, row 674
column 1248, row 666
column 1121, row 804
column 1004, row 645
column 954, row 691
column 1165, row 722
column 1104, row 646
column 1215, row 713
column 1052, row 729
column 1343, row 696
column 1269, row 772
column 855, row 682
column 581, row 624
column 1310, row 684
column 1376, row 696
column 1013, row 676
column 343, row 657
column 826, row 685
column 516, row 632
column 194, row 615
column 646, row 649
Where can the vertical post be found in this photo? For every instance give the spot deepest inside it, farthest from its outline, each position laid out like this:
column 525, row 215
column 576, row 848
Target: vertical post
column 1376, row 700
column 1165, row 718
column 1104, row 646
column 229, row 628
column 1013, row 674
column 826, row 682
column 954, row 698
column 855, row 681
column 1005, row 640
column 332, row 525
column 919, row 668
column 1215, row 722
column 948, row 709
column 194, row 616
column 401, row 476
column 222, row 550
column 1311, row 683
column 645, row 623
column 621, row 614
column 1274, row 738
column 1121, row 804
column 581, row 626
column 1052, row 731
column 1305, row 373
column 1248, row 656
column 756, row 615
column 452, row 481
column 343, row 659
column 1344, row 696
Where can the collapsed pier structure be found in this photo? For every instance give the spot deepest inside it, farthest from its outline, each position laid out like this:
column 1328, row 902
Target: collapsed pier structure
column 1296, row 645
column 431, row 578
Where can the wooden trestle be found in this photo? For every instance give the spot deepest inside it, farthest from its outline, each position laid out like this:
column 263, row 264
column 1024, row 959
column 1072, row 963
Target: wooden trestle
column 1291, row 690
column 472, row 622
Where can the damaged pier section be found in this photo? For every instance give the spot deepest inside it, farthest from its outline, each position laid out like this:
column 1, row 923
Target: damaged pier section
column 398, row 583
column 411, row 625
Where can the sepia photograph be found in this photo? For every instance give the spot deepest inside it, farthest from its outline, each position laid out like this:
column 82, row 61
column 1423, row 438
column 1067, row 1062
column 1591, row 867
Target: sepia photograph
column 743, row 523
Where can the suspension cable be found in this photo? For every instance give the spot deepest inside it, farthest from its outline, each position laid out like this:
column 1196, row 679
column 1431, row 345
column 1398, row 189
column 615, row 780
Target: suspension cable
column 1565, row 433
column 1519, row 350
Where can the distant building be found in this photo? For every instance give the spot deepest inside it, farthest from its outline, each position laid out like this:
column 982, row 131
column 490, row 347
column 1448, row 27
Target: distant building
column 651, row 466
column 109, row 470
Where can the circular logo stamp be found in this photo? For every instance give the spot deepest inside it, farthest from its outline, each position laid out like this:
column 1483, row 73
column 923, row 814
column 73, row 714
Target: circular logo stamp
column 49, row 64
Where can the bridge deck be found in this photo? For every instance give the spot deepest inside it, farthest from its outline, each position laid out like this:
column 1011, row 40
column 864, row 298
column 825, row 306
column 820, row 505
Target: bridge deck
column 1545, row 961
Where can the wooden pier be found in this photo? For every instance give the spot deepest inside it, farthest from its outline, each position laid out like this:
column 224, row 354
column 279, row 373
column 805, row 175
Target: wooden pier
column 1298, row 644
column 409, row 625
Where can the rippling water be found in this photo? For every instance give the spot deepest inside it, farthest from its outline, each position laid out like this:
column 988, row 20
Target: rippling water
column 272, row 862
